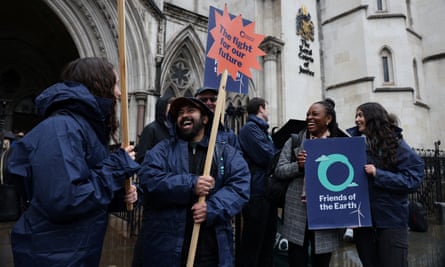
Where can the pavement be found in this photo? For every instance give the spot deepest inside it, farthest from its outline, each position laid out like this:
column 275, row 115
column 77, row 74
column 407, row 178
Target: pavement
column 425, row 249
column 117, row 250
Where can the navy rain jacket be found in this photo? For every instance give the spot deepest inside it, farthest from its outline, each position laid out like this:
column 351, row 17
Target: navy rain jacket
column 258, row 149
column 70, row 177
column 388, row 190
column 169, row 188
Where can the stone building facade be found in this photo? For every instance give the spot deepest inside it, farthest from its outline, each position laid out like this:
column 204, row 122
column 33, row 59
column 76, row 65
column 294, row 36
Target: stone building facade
column 353, row 51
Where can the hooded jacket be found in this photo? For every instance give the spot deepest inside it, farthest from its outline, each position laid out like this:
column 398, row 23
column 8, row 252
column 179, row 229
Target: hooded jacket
column 388, row 190
column 155, row 131
column 258, row 149
column 70, row 178
column 169, row 187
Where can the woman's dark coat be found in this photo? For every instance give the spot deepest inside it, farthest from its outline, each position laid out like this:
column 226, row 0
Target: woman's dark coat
column 389, row 189
column 70, row 177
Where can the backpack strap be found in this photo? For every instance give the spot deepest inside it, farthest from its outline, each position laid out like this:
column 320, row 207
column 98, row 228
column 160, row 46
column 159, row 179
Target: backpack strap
column 297, row 139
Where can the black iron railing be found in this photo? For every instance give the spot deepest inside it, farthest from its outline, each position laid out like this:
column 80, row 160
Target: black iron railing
column 432, row 189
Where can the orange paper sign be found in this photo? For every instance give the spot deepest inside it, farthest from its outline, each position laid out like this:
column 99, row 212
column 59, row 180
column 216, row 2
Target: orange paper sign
column 236, row 46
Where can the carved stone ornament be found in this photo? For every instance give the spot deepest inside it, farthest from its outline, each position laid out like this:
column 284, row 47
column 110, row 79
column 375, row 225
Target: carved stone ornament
column 305, row 27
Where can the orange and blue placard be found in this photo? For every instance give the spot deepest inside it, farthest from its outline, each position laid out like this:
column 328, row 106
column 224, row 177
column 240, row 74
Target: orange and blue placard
column 232, row 45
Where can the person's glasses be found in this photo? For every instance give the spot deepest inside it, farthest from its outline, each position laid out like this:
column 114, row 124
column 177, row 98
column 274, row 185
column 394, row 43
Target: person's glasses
column 210, row 98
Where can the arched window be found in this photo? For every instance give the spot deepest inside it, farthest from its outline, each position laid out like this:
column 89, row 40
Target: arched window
column 416, row 79
column 387, row 65
column 381, row 5
column 182, row 67
column 409, row 13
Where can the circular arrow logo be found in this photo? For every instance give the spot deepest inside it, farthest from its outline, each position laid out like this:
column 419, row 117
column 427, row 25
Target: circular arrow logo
column 325, row 163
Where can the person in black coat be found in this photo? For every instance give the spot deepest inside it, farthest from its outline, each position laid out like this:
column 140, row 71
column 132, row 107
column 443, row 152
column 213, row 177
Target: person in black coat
column 259, row 215
column 155, row 131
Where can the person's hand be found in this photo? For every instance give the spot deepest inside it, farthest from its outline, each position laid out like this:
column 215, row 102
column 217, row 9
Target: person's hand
column 370, row 169
column 199, row 212
column 301, row 159
column 204, row 184
column 131, row 196
column 130, row 150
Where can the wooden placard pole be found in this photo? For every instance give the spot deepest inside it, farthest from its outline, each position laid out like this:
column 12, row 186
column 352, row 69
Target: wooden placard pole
column 123, row 83
column 220, row 103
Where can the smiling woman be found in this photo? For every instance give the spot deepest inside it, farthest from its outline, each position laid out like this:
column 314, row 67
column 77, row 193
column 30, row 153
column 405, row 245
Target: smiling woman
column 321, row 122
column 392, row 166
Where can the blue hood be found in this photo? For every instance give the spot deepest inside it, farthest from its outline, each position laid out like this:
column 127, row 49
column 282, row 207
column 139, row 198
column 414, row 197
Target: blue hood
column 73, row 97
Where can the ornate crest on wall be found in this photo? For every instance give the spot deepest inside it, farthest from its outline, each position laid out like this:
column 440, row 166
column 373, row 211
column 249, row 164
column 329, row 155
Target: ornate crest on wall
column 305, row 27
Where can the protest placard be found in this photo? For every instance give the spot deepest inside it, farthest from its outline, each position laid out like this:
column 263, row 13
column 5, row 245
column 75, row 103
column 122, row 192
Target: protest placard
column 232, row 44
column 336, row 183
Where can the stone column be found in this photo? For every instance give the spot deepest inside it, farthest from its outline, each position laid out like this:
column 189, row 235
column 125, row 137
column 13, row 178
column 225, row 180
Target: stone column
column 272, row 78
column 141, row 100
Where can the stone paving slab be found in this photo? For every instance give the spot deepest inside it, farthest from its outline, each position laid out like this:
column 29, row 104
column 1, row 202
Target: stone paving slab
column 426, row 249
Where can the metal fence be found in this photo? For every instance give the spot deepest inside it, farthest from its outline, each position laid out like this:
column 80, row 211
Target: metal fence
column 432, row 189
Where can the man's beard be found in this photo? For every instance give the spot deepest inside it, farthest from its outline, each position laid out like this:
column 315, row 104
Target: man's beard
column 189, row 134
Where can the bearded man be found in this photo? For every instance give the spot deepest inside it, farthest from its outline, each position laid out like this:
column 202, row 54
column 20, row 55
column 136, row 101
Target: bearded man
column 172, row 181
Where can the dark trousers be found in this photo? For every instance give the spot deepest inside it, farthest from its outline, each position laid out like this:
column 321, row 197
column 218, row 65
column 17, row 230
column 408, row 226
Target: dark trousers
column 258, row 233
column 299, row 255
column 382, row 247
